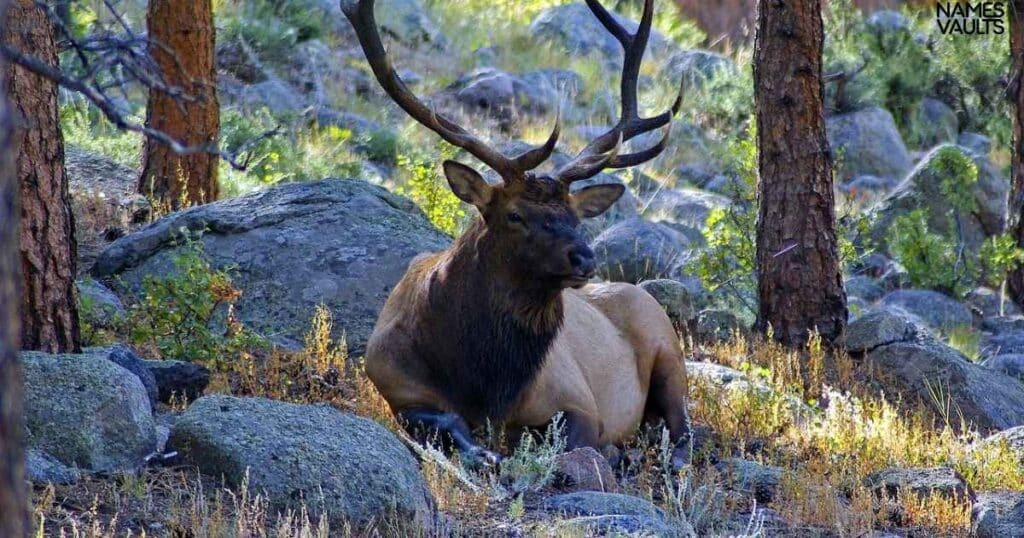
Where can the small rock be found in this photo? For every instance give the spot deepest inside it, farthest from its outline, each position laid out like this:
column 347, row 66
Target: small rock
column 752, row 478
column 100, row 307
column 623, row 512
column 179, row 379
column 674, row 297
column 922, row 482
column 717, row 325
column 879, row 328
column 999, row 514
column 43, row 468
column 585, row 469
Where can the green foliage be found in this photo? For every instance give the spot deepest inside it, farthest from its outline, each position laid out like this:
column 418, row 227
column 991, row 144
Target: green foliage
column 426, row 186
column 999, row 255
column 728, row 261
column 931, row 260
column 313, row 153
column 85, row 127
column 177, row 314
column 270, row 27
column 532, row 466
column 959, row 175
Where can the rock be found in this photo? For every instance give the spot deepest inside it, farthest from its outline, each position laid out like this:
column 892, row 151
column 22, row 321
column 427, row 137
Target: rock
column 348, row 467
column 124, row 357
column 1013, row 437
column 867, row 189
column 865, row 287
column 915, row 370
column 697, row 66
column 887, row 21
column 98, row 306
column 870, row 144
column 674, row 297
column 275, row 94
column 922, row 482
column 231, row 57
column 1007, row 343
column 577, row 30
column 585, row 469
column 939, row 311
column 624, row 209
column 635, row 250
column 43, row 468
column 923, row 188
column 752, row 478
column 880, row 328
column 1003, row 324
column 987, row 303
column 179, row 379
column 503, row 96
column 561, row 81
column 1011, row 364
column 686, row 207
column 614, row 512
column 718, row 325
column 86, row 411
column 933, row 123
column 408, row 21
column 977, row 144
column 999, row 514
column 856, row 307
column 343, row 243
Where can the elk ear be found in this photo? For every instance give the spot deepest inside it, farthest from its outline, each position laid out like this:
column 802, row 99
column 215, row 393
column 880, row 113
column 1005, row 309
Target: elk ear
column 596, row 199
column 468, row 184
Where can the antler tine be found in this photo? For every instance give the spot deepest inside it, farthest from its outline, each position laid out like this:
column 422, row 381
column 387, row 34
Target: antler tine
column 532, row 158
column 630, row 123
column 360, row 14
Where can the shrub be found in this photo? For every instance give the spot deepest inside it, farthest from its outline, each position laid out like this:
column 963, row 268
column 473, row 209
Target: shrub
column 931, row 260
column 426, row 186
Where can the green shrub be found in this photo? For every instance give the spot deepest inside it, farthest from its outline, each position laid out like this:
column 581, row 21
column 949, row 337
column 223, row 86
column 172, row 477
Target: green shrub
column 85, row 127
column 931, row 260
column 426, row 186
column 531, row 466
column 178, row 314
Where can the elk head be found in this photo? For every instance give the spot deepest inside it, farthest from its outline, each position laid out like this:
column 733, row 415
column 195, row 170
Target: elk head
column 534, row 217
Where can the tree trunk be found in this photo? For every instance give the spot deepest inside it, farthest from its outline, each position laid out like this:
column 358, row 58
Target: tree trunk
column 49, row 311
column 14, row 518
column 183, row 36
column 800, row 287
column 1015, row 91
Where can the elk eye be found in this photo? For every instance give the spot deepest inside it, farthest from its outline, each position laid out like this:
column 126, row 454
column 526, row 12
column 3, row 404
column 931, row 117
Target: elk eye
column 514, row 217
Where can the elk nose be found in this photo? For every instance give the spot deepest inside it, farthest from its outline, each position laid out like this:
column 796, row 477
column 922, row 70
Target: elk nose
column 582, row 261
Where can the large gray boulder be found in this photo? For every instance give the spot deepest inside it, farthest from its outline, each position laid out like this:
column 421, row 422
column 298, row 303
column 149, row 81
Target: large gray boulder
column 914, row 371
column 999, row 514
column 504, row 96
column 939, row 311
column 880, row 328
column 933, row 123
column 343, row 243
column 635, row 250
column 685, row 207
column 924, row 188
column 575, row 28
column 869, row 144
column 85, row 411
column 349, row 468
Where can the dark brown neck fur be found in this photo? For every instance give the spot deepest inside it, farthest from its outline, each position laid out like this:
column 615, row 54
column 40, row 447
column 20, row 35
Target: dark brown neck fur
column 489, row 328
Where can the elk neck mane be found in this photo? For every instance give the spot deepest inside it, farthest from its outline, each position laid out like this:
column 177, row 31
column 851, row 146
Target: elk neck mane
column 492, row 328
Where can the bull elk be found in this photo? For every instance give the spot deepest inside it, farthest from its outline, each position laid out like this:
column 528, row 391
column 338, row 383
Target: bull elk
column 503, row 326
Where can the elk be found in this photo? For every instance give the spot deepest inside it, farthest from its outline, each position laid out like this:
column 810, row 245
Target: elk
column 504, row 326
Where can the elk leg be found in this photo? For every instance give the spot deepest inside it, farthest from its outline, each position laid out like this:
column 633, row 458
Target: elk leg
column 451, row 429
column 668, row 394
column 581, row 430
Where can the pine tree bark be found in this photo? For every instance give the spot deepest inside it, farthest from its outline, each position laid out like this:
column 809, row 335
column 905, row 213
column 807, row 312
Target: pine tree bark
column 49, row 309
column 14, row 515
column 183, row 41
column 1015, row 92
column 800, row 286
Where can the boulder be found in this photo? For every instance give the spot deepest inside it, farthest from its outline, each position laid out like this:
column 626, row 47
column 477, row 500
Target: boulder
column 614, row 513
column 575, row 28
column 504, row 96
column 922, row 482
column 350, row 468
column 865, row 287
column 696, row 66
column 940, row 312
column 342, row 243
column 978, row 144
column 585, row 469
column 685, row 207
column 718, row 325
column 869, row 143
column 274, row 94
column 867, row 189
column 674, row 297
column 1011, row 364
column 933, row 123
column 999, row 514
column 1004, row 343
column 98, row 306
column 880, row 328
column 751, row 478
column 179, row 379
column 43, row 468
column 124, row 357
column 86, row 411
column 914, row 371
column 988, row 303
column 408, row 21
column 923, row 188
column 634, row 250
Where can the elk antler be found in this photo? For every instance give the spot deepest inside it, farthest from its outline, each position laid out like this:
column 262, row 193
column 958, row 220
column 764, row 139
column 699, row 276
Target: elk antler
column 603, row 151
column 360, row 13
